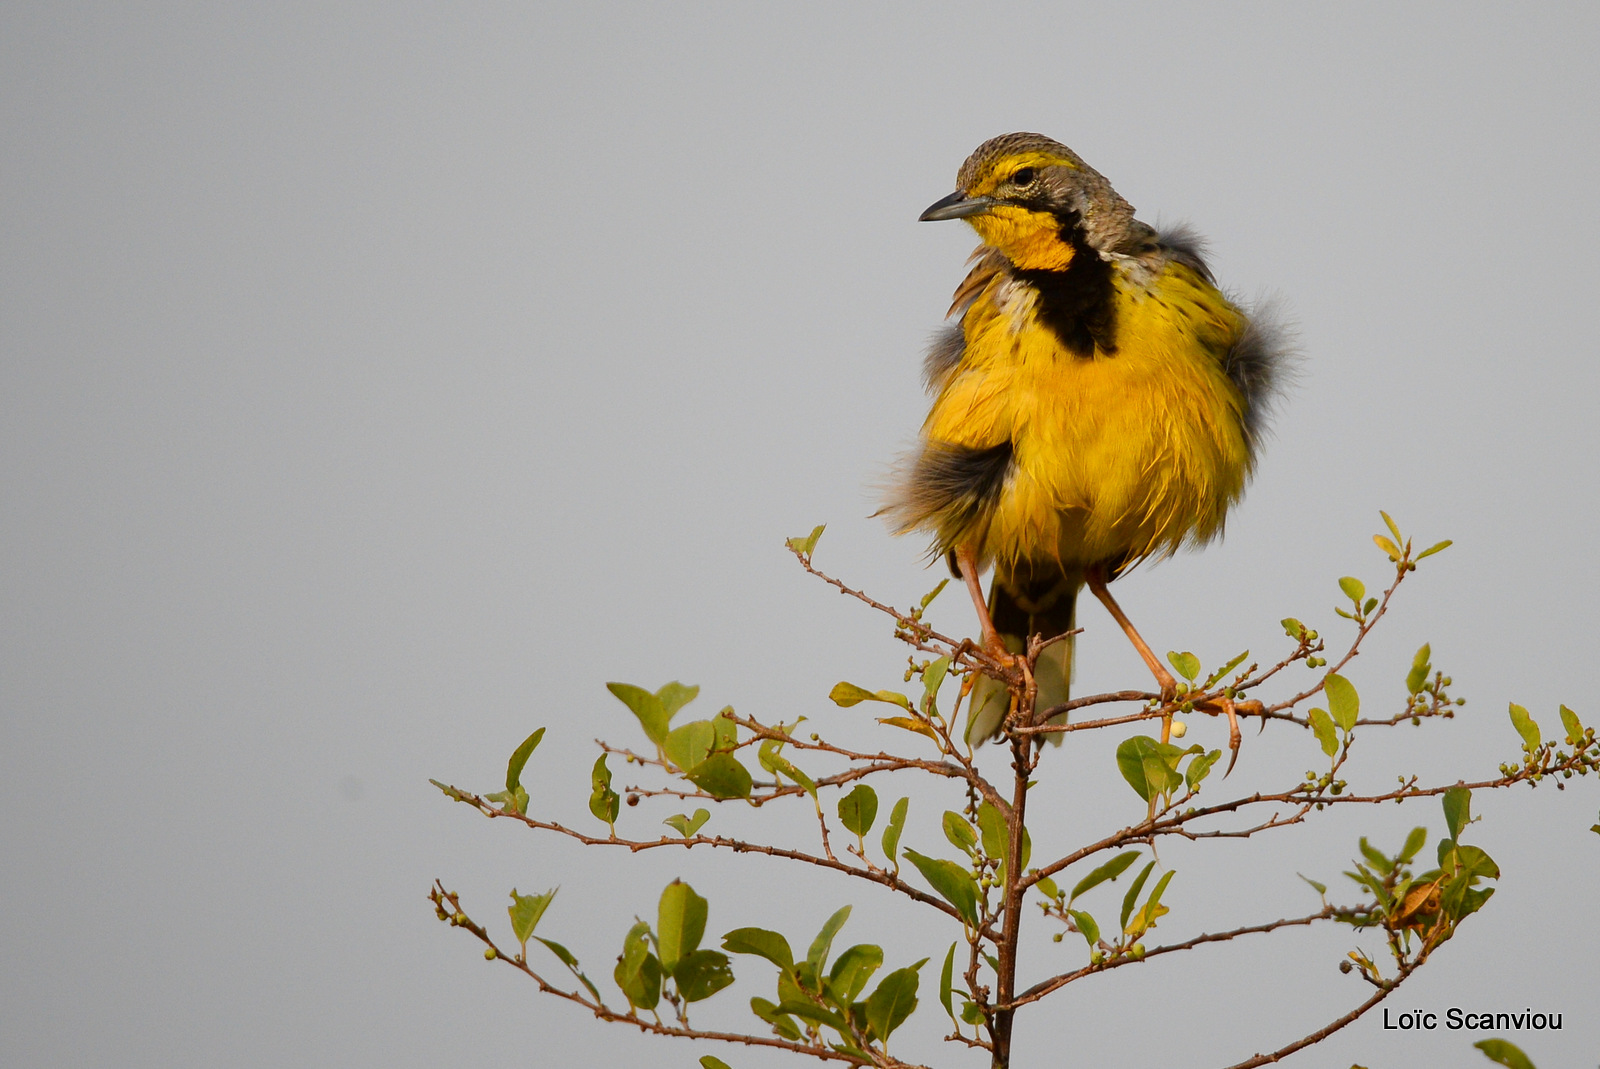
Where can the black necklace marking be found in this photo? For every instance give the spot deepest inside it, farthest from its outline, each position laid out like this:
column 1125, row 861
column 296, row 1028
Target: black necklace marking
column 1077, row 302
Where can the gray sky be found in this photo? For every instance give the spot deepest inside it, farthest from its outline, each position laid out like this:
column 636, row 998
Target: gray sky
column 379, row 382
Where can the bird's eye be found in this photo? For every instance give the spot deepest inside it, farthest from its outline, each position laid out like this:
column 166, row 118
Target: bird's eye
column 1022, row 177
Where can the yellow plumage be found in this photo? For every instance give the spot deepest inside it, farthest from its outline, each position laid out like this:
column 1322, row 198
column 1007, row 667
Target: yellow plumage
column 1099, row 406
column 1114, row 459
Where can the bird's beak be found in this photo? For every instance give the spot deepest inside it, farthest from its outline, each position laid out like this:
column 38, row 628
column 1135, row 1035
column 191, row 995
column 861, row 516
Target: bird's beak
column 956, row 206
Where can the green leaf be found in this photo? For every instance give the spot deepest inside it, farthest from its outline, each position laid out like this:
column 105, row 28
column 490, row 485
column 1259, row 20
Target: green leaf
column 1475, row 862
column 1199, row 767
column 1225, row 669
column 571, row 963
column 722, row 776
column 709, row 1061
column 953, row 882
column 1321, row 888
column 807, row 1010
column 1574, row 726
column 725, row 731
column 1387, row 522
column 674, row 696
column 933, row 679
column 689, row 744
column 891, row 834
column 1417, row 678
column 1187, row 664
column 959, row 832
column 807, row 545
column 781, row 1023
column 892, row 1002
column 972, row 1013
column 848, row 694
column 701, row 974
column 910, row 723
column 852, row 970
column 455, row 793
column 1458, row 810
column 993, row 831
column 762, row 943
column 946, row 976
column 1390, row 550
column 817, row 956
column 1109, row 871
column 1086, row 926
column 638, row 973
column 680, row 923
column 1525, row 727
column 1293, row 628
column 1149, row 766
column 687, row 826
column 1132, row 897
column 646, row 706
column 1375, row 856
column 525, row 912
column 1436, row 547
column 1343, row 703
column 927, row 599
column 1414, row 842
column 1152, row 910
column 858, row 809
column 776, row 763
column 1322, row 727
column 1353, row 588
column 560, row 951
column 603, row 801
column 1502, row 1053
column 519, row 758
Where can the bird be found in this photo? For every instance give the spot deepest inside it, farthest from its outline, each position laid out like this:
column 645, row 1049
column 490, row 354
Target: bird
column 1097, row 402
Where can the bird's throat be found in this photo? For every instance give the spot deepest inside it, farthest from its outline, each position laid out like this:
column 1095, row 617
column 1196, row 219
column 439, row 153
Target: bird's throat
column 1077, row 300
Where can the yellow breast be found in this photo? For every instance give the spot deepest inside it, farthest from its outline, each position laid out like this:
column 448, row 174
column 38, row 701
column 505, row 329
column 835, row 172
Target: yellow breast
column 1116, row 457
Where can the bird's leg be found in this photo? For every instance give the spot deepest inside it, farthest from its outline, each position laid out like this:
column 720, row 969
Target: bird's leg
column 967, row 564
column 1097, row 583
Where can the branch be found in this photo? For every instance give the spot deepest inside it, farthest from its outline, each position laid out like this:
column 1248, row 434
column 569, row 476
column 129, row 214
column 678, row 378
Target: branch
column 1320, row 1034
column 1055, row 983
column 1147, row 830
column 458, row 919
column 738, row 846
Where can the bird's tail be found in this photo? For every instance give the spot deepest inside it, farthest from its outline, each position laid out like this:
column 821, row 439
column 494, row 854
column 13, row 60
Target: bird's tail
column 1029, row 598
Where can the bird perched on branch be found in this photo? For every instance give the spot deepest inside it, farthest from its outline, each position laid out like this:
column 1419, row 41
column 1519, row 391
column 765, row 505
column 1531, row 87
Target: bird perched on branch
column 1098, row 402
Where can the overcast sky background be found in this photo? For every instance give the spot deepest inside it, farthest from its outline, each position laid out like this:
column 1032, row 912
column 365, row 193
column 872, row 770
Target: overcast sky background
column 379, row 382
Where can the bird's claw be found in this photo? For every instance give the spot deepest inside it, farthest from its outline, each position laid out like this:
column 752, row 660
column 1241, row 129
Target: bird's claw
column 1229, row 708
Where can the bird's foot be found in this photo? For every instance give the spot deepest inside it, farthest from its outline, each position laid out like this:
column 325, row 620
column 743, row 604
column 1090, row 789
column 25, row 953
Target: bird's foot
column 995, row 649
column 1230, row 708
column 1165, row 683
